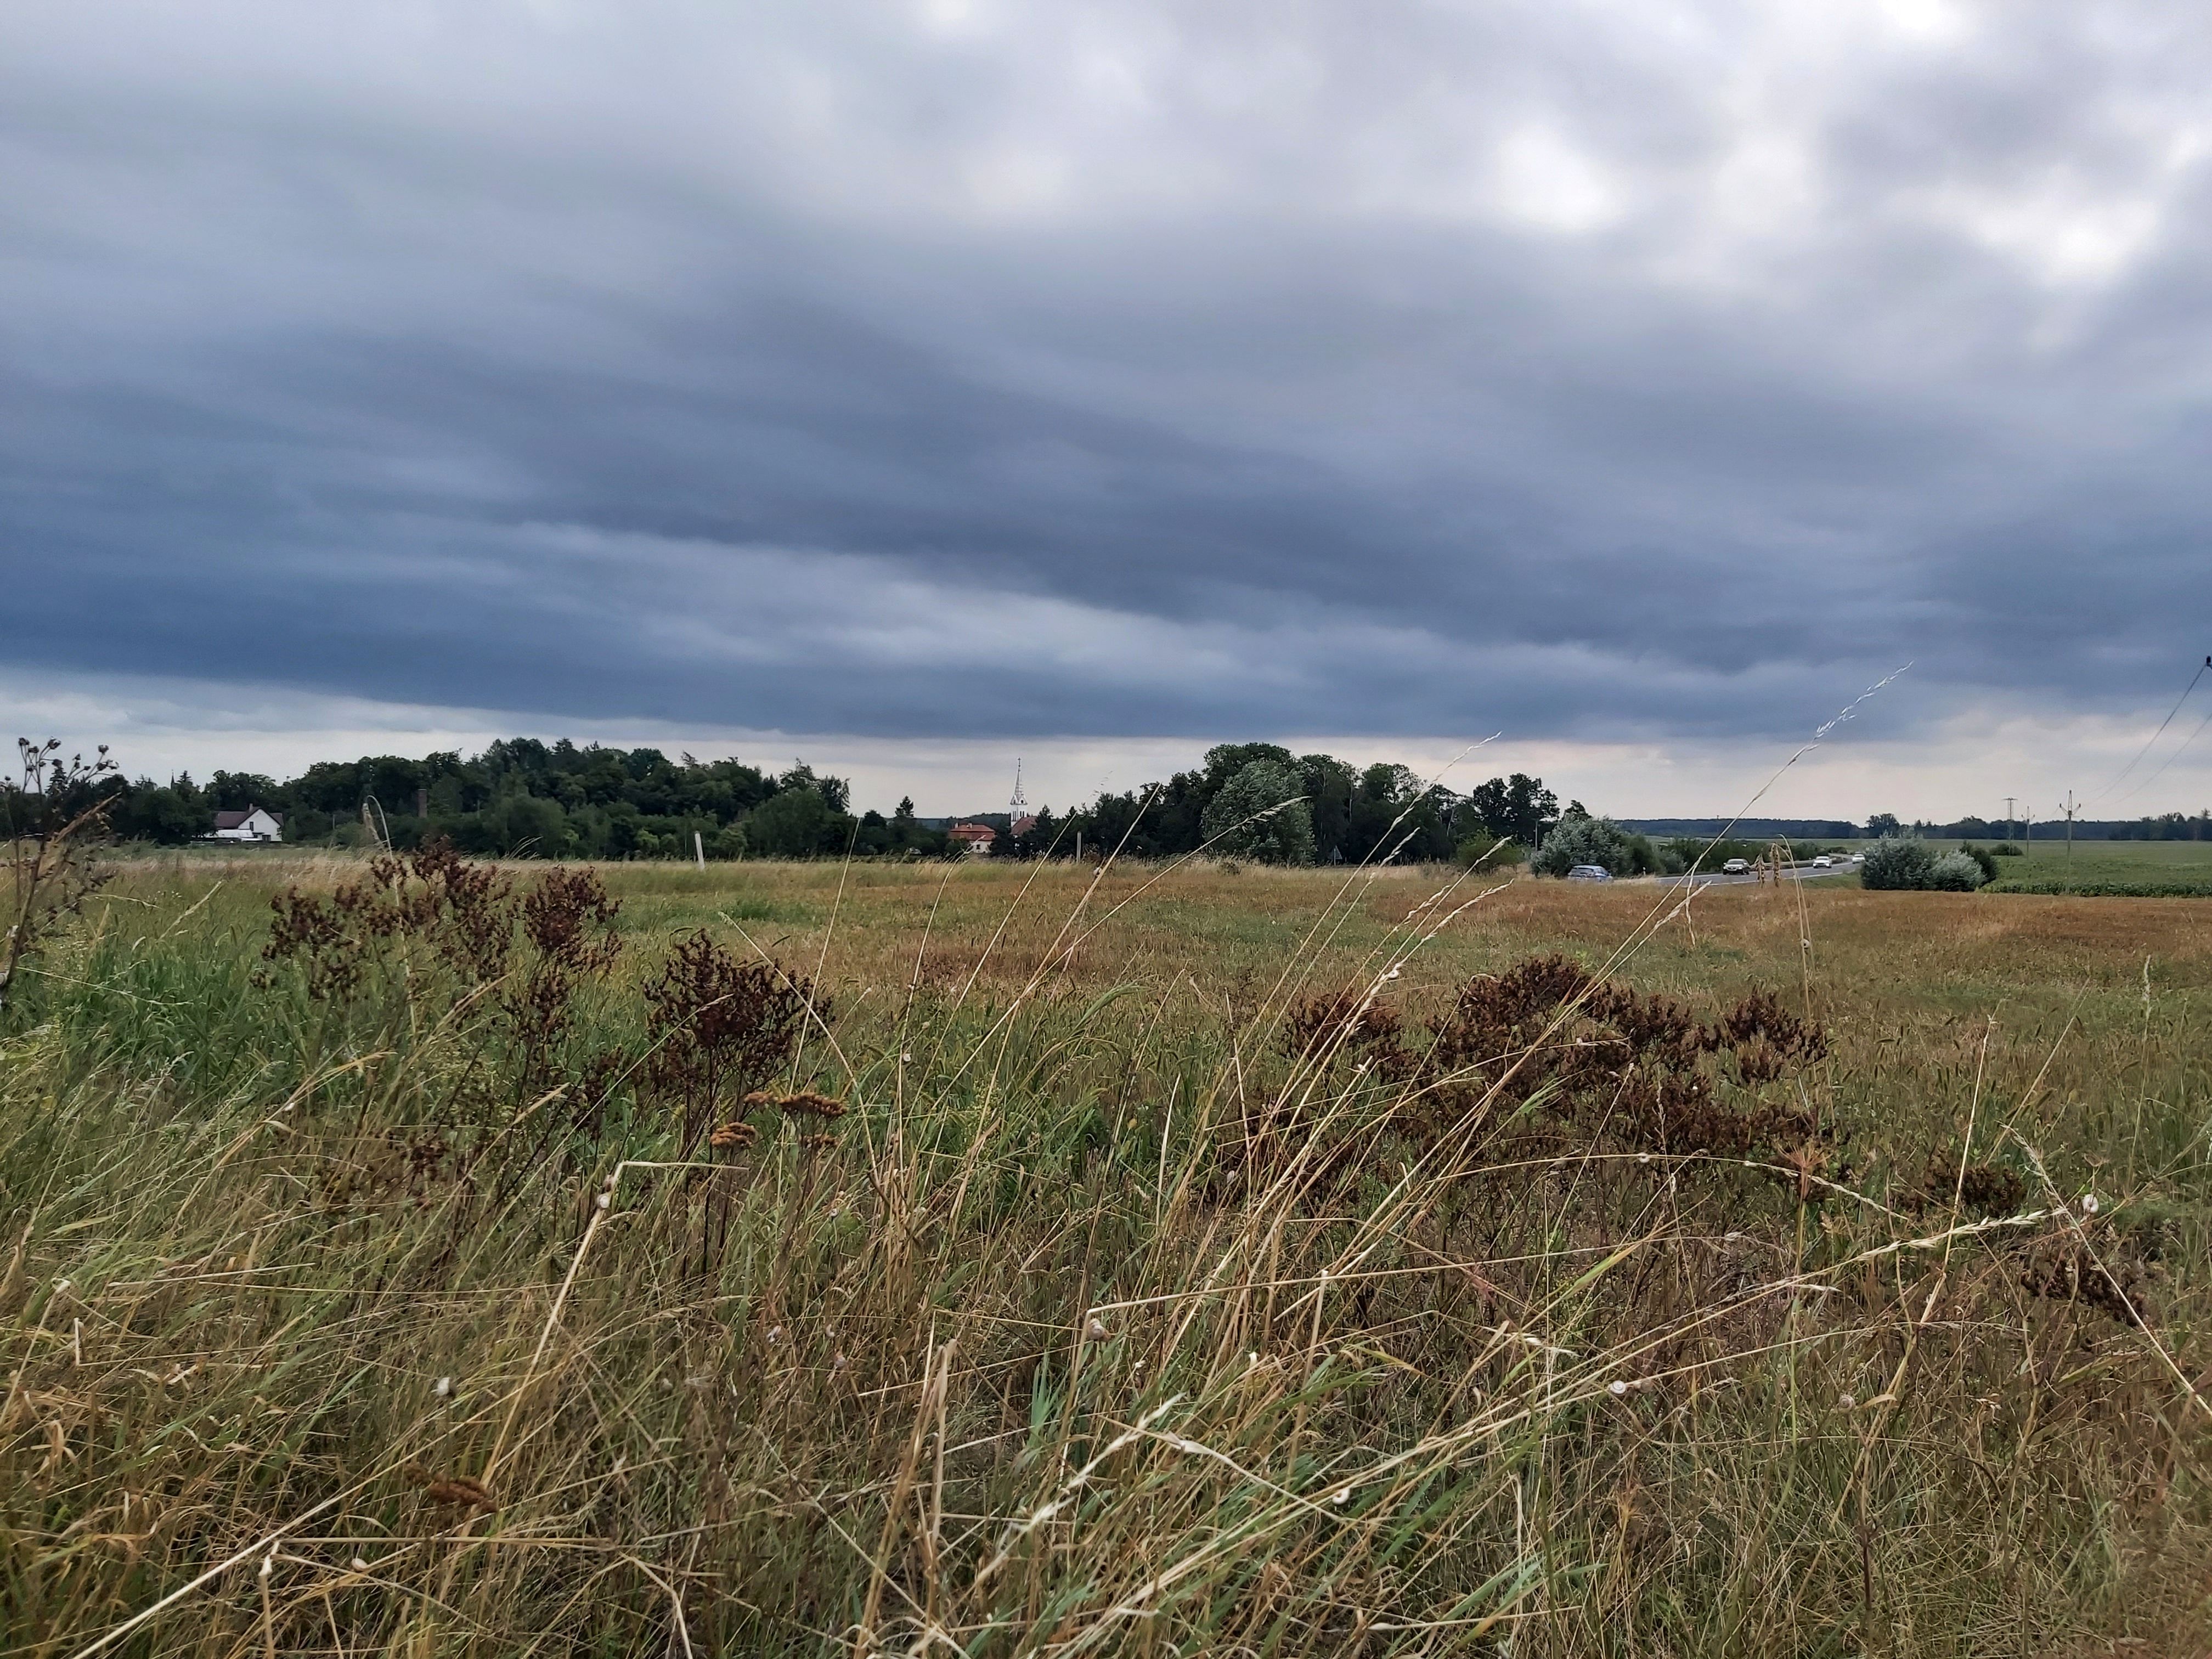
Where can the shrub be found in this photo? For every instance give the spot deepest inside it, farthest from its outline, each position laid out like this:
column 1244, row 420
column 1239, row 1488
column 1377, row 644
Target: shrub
column 1486, row 850
column 1897, row 864
column 1584, row 841
column 1984, row 858
column 1902, row 864
column 1956, row 872
column 2005, row 849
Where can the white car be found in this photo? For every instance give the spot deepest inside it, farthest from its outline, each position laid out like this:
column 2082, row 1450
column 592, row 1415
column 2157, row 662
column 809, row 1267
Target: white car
column 1736, row 868
column 1590, row 872
column 1823, row 862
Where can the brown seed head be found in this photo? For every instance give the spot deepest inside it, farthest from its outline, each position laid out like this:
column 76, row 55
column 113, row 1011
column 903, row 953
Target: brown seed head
column 461, row 1491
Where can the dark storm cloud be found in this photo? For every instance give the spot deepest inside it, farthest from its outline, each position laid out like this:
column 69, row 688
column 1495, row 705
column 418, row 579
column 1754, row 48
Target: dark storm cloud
column 1105, row 370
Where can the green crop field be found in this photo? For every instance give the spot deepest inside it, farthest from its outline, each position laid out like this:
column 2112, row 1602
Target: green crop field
column 2141, row 868
column 453, row 1259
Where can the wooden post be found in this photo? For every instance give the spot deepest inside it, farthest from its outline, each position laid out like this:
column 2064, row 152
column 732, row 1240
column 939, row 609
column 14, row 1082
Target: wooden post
column 698, row 850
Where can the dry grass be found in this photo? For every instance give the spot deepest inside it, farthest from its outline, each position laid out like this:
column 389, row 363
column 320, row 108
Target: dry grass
column 1106, row 1323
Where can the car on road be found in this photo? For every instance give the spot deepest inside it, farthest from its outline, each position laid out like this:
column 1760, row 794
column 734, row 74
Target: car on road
column 1736, row 868
column 1823, row 862
column 1590, row 872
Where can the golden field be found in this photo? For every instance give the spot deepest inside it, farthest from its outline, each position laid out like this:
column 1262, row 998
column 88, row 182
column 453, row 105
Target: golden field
column 1118, row 1292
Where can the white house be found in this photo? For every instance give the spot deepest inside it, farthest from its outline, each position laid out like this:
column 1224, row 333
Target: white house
column 973, row 839
column 252, row 824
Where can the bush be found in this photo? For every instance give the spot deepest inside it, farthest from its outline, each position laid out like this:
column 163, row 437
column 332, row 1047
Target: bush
column 1897, row 864
column 1984, row 860
column 1902, row 864
column 1584, row 841
column 1956, row 872
column 2005, row 849
column 1486, row 850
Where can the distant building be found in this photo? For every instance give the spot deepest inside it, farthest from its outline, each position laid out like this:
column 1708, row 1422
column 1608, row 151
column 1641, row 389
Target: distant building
column 254, row 823
column 1021, row 824
column 974, row 839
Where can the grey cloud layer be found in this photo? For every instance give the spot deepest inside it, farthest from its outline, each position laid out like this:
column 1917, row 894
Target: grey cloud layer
column 1111, row 368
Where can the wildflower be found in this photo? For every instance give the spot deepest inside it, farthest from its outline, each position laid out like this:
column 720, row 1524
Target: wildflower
column 1616, row 1387
column 732, row 1135
column 807, row 1104
column 2088, row 1204
column 442, row 1388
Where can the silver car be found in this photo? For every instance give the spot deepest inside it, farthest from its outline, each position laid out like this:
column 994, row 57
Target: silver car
column 1590, row 872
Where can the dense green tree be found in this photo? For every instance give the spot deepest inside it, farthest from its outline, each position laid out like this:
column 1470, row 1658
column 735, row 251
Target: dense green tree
column 794, row 823
column 1519, row 808
column 1330, row 785
column 162, row 814
column 235, row 791
column 1261, row 813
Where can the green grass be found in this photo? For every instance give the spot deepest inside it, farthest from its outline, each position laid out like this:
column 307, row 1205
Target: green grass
column 1107, row 1324
column 2146, row 869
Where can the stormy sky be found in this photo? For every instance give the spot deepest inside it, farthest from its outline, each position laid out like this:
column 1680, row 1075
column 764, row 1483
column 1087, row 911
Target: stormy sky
column 930, row 383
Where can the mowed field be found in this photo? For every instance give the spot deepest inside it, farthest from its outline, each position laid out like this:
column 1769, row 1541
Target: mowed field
column 1187, row 1260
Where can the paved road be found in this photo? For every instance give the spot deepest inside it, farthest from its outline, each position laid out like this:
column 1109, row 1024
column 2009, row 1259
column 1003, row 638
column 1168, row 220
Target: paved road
column 1714, row 878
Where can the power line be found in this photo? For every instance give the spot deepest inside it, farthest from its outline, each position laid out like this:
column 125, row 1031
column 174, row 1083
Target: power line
column 2170, row 760
column 2155, row 736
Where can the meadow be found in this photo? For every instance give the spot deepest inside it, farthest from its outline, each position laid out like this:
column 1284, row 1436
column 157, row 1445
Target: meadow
column 1015, row 1260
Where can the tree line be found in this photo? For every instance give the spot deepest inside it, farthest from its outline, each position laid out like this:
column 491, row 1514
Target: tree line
column 525, row 798
column 522, row 798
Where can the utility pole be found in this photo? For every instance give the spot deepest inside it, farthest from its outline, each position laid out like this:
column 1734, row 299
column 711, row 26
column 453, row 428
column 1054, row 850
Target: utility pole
column 2009, row 815
column 2072, row 806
